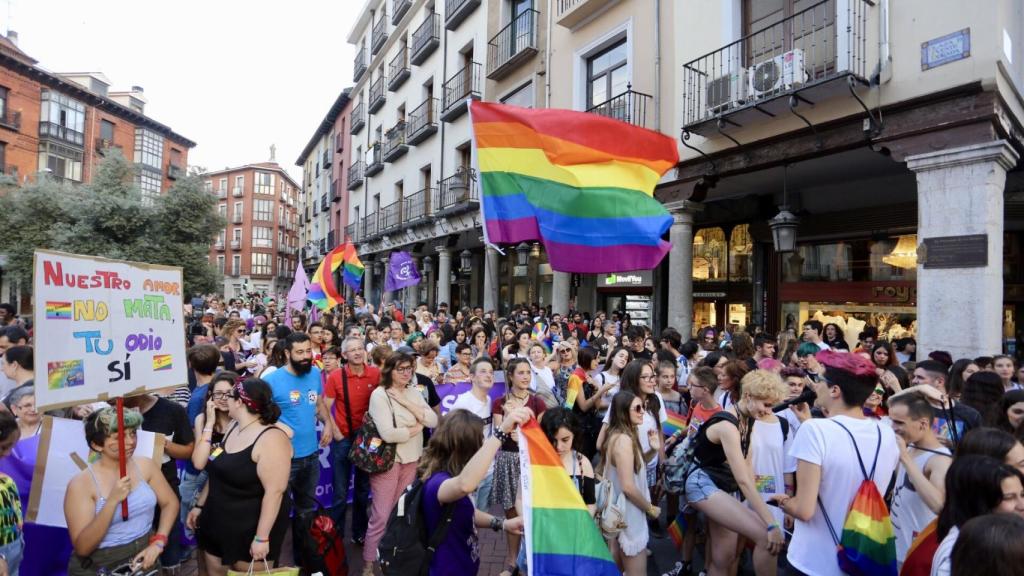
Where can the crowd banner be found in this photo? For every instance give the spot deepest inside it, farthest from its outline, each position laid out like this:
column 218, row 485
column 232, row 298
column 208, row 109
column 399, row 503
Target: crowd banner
column 108, row 328
column 449, row 392
column 63, row 452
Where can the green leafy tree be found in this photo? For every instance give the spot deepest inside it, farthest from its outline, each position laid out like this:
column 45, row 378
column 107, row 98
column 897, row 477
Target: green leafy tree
column 108, row 218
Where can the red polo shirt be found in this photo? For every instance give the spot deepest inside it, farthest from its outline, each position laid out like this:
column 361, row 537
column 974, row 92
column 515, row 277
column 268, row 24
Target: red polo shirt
column 359, row 388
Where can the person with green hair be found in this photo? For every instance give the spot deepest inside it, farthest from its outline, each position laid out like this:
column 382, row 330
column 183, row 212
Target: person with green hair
column 806, row 360
column 101, row 537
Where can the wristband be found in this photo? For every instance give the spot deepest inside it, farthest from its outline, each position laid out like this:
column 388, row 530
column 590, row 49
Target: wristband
column 497, row 523
column 502, row 436
column 210, row 430
column 159, row 540
column 259, row 540
column 773, row 526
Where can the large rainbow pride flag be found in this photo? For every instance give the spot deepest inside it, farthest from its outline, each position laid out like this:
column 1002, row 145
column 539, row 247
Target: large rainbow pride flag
column 581, row 183
column 323, row 292
column 561, row 537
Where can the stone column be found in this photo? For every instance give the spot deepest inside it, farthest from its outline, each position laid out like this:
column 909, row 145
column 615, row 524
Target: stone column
column 386, row 296
column 444, row 276
column 368, row 283
column 560, row 292
column 680, row 266
column 960, row 192
column 492, row 267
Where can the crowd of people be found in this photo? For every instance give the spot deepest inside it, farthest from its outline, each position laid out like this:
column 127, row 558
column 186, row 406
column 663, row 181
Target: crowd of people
column 760, row 443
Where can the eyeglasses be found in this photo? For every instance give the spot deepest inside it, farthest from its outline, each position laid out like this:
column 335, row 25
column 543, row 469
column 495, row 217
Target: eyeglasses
column 220, row 395
column 240, row 331
column 880, row 391
column 403, row 369
column 566, row 351
column 698, row 386
column 638, row 409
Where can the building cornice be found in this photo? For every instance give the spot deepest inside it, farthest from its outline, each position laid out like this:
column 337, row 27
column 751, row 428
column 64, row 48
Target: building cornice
column 325, row 125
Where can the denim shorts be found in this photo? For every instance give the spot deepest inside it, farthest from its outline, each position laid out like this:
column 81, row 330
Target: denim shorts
column 699, row 486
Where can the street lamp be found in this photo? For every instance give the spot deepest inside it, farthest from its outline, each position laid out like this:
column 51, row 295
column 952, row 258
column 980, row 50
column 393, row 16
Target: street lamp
column 376, row 268
column 784, row 224
column 523, row 253
column 428, row 264
column 465, row 260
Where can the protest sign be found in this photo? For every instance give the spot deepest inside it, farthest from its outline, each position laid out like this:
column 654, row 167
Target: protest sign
column 449, row 392
column 105, row 328
column 63, row 452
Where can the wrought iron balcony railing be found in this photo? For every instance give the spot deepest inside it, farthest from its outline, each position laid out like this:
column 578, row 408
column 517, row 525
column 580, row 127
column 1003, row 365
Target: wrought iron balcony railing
column 463, row 85
column 512, row 45
column 359, row 65
column 398, row 69
column 417, row 205
column 425, row 39
column 629, row 107
column 356, row 174
column 390, row 217
column 394, row 142
column 457, row 192
column 422, row 122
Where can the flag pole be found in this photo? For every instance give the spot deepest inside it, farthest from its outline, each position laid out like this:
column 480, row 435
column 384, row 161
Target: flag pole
column 121, row 458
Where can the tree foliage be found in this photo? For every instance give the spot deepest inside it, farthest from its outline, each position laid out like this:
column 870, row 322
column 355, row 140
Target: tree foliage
column 107, row 217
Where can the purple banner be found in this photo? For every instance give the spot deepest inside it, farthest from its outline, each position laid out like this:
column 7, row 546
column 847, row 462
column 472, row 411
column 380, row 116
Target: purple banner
column 449, row 392
column 402, row 272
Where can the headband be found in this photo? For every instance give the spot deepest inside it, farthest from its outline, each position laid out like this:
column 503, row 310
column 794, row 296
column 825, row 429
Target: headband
column 248, row 401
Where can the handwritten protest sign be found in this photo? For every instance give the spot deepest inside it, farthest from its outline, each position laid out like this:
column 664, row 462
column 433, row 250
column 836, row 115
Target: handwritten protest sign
column 105, row 328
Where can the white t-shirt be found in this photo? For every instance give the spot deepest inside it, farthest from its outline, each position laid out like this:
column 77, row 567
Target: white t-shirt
column 601, row 379
column 794, row 426
column 542, row 380
column 823, row 442
column 768, row 450
column 942, row 561
column 467, row 401
column 909, row 512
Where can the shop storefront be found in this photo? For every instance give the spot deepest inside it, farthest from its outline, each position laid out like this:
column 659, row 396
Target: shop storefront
column 723, row 291
column 628, row 292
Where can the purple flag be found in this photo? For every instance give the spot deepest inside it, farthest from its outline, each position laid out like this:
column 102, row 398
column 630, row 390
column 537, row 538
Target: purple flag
column 402, row 272
column 297, row 294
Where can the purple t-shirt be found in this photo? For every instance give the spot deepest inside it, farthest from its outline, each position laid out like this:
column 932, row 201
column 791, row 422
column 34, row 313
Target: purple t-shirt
column 459, row 553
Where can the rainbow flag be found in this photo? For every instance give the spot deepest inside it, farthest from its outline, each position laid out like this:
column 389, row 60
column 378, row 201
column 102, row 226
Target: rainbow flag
column 161, row 362
column 58, row 310
column 675, row 422
column 561, row 537
column 867, row 544
column 323, row 292
column 575, row 385
column 677, row 529
column 581, row 183
column 540, row 334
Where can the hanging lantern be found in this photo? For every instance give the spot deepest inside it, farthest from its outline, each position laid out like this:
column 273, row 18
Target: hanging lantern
column 904, row 255
column 523, row 253
column 466, row 260
column 428, row 264
column 784, row 226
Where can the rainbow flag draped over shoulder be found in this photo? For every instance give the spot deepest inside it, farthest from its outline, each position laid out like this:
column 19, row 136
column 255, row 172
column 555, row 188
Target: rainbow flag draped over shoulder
column 323, row 292
column 561, row 537
column 575, row 385
column 581, row 183
column 675, row 422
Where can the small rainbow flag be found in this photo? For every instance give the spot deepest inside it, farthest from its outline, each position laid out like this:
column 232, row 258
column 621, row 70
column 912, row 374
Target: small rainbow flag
column 675, row 422
column 572, row 389
column 161, row 362
column 540, row 334
column 323, row 292
column 58, row 310
column 677, row 530
column 559, row 175
column 561, row 537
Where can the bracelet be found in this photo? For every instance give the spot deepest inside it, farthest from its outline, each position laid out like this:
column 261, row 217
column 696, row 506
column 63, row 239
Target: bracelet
column 502, row 436
column 159, row 540
column 210, row 430
column 773, row 526
column 259, row 540
column 497, row 523
column 197, row 505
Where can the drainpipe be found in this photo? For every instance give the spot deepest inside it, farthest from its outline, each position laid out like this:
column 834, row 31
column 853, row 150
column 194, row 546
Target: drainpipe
column 547, row 60
column 884, row 49
column 657, row 65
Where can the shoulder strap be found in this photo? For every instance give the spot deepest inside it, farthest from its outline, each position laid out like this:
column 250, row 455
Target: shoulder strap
column 438, row 536
column 860, row 460
column 785, row 428
column 344, row 393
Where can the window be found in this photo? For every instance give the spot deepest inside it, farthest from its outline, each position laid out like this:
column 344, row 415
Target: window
column 709, row 255
column 222, row 210
column 60, row 161
column 607, row 74
column 222, row 184
column 208, row 186
column 238, row 212
column 220, row 237
column 62, row 118
column 176, row 157
column 149, row 183
column 262, row 237
column 263, row 210
column 236, row 234
column 3, row 158
column 107, row 130
column 149, row 149
column 220, row 264
column 236, row 264
column 741, row 252
column 3, row 103
column 240, row 183
column 521, row 97
column 264, row 183
column 260, row 264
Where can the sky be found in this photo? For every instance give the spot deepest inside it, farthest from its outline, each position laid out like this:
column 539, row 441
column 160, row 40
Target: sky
column 234, row 76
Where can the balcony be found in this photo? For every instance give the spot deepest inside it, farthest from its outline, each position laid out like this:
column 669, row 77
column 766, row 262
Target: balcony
column 380, row 33
column 237, row 192
column 417, row 205
column 103, row 144
column 330, row 240
column 236, row 244
column 512, row 45
column 629, row 107
column 394, row 142
column 462, row 85
column 222, row 193
column 174, row 171
column 809, row 57
column 236, row 218
column 369, row 226
column 57, row 132
column 377, row 94
column 376, row 163
column 325, row 203
column 359, row 65
column 234, row 271
column 10, row 120
column 398, row 69
column 458, row 193
column 422, row 122
column 356, row 174
column 358, row 119
column 570, row 13
column 458, row 10
column 425, row 39
column 398, row 9
column 219, row 245
column 325, row 161
column 335, row 191
column 339, row 143
column 390, row 217
column 352, row 233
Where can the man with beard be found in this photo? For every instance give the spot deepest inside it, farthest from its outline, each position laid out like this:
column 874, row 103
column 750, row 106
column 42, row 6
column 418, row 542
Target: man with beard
column 298, row 391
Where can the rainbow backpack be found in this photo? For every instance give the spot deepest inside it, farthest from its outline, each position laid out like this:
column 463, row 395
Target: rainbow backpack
column 867, row 546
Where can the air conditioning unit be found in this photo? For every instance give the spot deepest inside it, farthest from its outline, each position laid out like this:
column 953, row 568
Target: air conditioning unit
column 778, row 74
column 725, row 92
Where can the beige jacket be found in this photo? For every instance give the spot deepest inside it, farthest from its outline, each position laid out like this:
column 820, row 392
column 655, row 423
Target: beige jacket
column 408, row 448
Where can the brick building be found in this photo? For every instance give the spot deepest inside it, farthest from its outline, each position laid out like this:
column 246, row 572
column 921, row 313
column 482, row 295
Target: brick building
column 257, row 250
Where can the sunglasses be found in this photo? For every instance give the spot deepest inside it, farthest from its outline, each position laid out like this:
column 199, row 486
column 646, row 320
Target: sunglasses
column 638, row 409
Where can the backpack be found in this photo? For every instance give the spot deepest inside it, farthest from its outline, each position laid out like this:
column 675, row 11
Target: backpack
column 321, row 548
column 680, row 460
column 406, row 549
column 867, row 546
